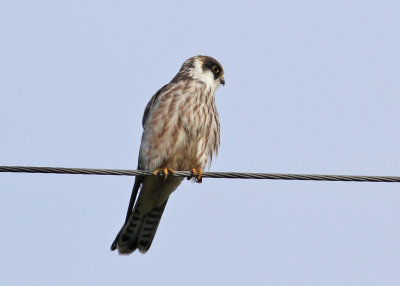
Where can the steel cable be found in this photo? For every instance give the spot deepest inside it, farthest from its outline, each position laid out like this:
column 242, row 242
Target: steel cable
column 228, row 175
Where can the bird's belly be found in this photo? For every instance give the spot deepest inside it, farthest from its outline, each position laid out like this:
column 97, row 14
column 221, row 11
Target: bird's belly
column 185, row 157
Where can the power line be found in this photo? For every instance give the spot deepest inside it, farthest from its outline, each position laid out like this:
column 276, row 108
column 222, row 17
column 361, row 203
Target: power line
column 228, row 175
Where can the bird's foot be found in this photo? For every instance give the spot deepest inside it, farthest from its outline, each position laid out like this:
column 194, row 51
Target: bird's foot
column 197, row 174
column 164, row 170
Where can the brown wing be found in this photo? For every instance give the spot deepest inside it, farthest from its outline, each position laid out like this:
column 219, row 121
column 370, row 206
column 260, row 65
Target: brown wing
column 150, row 104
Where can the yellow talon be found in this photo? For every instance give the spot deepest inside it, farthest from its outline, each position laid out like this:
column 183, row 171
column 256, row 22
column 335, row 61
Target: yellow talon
column 198, row 173
column 164, row 170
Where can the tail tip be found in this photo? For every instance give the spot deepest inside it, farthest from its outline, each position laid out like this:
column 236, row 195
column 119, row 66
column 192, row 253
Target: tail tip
column 113, row 247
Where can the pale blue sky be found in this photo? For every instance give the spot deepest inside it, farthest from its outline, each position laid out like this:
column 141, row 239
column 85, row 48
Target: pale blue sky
column 311, row 87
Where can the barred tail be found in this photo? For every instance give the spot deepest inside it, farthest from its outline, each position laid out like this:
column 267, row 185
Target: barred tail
column 139, row 230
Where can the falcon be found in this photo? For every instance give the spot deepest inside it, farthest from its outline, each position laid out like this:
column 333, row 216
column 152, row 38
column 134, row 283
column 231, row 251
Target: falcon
column 180, row 132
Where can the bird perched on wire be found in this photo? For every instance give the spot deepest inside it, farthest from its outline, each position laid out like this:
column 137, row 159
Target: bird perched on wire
column 181, row 132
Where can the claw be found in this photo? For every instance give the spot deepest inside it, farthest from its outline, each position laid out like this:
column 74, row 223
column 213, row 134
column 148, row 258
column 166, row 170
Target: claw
column 198, row 174
column 164, row 170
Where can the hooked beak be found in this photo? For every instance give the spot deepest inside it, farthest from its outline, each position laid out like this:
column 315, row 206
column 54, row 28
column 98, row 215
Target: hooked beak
column 222, row 80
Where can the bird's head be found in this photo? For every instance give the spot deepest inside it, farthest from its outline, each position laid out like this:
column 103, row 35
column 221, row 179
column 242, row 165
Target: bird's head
column 203, row 68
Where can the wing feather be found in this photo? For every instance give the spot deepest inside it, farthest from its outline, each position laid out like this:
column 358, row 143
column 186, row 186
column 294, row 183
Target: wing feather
column 150, row 104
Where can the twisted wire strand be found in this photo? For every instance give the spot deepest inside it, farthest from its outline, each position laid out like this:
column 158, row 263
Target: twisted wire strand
column 227, row 175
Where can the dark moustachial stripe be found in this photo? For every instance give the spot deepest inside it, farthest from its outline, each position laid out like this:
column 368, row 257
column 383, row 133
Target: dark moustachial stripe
column 208, row 63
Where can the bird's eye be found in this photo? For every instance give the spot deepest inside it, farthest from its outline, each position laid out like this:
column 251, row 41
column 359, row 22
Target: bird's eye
column 215, row 69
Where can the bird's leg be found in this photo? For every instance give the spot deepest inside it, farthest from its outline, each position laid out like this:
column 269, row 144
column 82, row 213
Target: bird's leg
column 164, row 170
column 198, row 174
